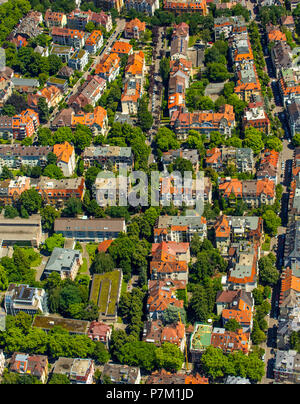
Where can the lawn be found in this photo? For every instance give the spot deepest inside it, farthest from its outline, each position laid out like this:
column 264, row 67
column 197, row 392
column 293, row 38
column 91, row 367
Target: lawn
column 91, row 249
column 84, row 267
column 33, row 256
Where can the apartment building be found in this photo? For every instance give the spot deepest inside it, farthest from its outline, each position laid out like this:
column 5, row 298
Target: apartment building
column 30, row 300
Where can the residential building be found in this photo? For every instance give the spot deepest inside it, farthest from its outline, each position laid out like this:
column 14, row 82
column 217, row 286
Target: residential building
column 179, row 46
column 238, row 305
column 256, row 118
column 68, row 37
column 162, row 294
column 65, row 72
column 289, row 87
column 164, row 377
column 275, row 35
column 155, row 332
column 97, row 120
column 143, row 6
column 134, row 29
column 181, row 68
column 64, row 261
column 82, row 371
column 176, row 102
column 79, row 371
column 286, row 367
column 281, row 55
column 11, row 190
column 51, row 94
column 31, row 300
column 122, row 48
column 268, row 167
column 109, row 67
column 34, row 365
column 19, row 126
column 232, row 229
column 55, row 19
column 244, row 160
column 42, row 51
column 254, row 193
column 24, row 232
column 58, row 192
column 237, row 380
column 294, row 4
column 135, row 67
column 65, row 154
column 78, row 60
column 78, row 19
column 243, row 271
column 6, row 89
column 94, row 42
column 200, row 340
column 121, row 374
column 131, row 95
column 230, row 341
column 186, row 6
column 203, row 121
column 63, row 118
column 292, row 245
column 104, row 155
column 288, row 22
column 99, row 331
column 293, row 115
column 88, row 93
column 170, row 261
column 62, row 84
column 28, row 26
column 89, row 230
column 181, row 31
column 225, row 26
column 14, row 156
column 179, row 228
column 170, row 157
column 2, row 325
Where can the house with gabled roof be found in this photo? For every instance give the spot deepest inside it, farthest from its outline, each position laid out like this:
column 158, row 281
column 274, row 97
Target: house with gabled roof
column 35, row 365
column 94, row 41
column 122, row 48
column 230, row 341
column 134, row 29
column 158, row 333
column 65, row 154
column 109, row 66
column 162, row 294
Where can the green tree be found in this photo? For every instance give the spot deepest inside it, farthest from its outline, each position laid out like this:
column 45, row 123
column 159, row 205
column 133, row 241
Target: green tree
column 30, row 200
column 57, row 378
column 296, row 140
column 271, row 222
column 232, row 325
column 49, row 214
column 73, row 207
column 102, row 263
column 53, row 171
column 3, row 279
column 57, row 240
column 253, row 139
column 268, row 273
